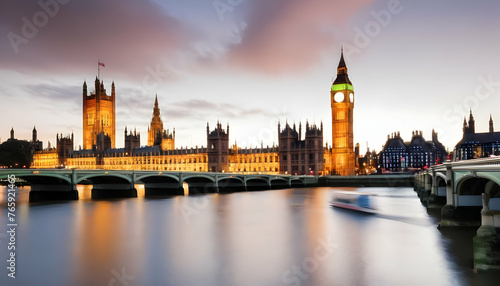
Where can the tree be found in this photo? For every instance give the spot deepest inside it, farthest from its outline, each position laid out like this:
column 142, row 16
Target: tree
column 16, row 154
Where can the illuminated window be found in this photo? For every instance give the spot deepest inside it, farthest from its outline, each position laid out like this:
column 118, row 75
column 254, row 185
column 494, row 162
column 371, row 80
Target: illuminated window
column 340, row 115
column 90, row 118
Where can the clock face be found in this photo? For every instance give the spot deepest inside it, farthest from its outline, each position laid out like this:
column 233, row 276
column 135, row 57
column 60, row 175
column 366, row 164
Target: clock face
column 338, row 97
column 351, row 97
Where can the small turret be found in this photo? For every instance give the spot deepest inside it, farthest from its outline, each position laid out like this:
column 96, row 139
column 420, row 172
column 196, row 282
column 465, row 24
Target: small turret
column 85, row 89
column 472, row 128
column 34, row 135
column 491, row 125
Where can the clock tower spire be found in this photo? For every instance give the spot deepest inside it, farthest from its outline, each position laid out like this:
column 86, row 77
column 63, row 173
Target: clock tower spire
column 342, row 102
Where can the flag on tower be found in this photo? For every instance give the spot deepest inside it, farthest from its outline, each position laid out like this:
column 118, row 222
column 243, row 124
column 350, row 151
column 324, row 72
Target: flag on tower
column 101, row 64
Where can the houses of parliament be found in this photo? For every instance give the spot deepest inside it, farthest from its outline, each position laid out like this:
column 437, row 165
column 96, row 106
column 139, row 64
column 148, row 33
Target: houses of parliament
column 298, row 152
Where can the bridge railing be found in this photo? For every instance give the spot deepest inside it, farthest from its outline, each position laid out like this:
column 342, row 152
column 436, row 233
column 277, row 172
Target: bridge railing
column 472, row 162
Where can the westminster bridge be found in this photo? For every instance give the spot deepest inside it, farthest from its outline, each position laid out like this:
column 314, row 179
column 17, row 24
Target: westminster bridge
column 468, row 194
column 60, row 184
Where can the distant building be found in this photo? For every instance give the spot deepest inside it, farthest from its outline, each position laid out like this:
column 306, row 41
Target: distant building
column 367, row 163
column 297, row 156
column 477, row 145
column 400, row 156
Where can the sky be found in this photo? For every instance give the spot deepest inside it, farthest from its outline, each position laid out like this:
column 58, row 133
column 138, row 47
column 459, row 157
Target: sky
column 415, row 65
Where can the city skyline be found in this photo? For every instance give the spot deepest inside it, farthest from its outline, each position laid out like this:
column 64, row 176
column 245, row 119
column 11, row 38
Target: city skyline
column 252, row 62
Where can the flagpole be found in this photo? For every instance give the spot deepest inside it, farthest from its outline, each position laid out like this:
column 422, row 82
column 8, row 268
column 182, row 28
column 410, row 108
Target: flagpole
column 98, row 69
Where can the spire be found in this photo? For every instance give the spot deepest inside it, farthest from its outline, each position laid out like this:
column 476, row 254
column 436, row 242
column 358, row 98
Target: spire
column 472, row 128
column 342, row 77
column 342, row 64
column 33, row 136
column 156, row 109
column 491, row 125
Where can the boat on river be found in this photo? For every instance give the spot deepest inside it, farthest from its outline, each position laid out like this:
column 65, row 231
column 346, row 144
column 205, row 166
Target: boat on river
column 356, row 201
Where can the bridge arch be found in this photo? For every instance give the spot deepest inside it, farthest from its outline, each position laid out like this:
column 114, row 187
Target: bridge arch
column 297, row 183
column 257, row 184
column 440, row 177
column 30, row 177
column 279, row 183
column 231, row 184
column 112, row 185
column 150, row 177
column 470, row 188
column 161, row 185
column 200, row 184
column 105, row 179
column 210, row 178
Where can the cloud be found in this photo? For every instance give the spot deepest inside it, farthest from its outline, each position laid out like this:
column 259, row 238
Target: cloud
column 135, row 39
column 205, row 109
column 127, row 35
column 289, row 35
column 55, row 93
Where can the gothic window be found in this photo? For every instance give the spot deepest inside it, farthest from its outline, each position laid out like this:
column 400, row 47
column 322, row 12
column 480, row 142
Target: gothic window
column 340, row 115
column 90, row 118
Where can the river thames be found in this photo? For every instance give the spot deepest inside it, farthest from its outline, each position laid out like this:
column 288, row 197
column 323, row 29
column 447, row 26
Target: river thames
column 278, row 237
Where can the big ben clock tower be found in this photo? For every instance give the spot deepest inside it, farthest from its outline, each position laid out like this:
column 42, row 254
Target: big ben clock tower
column 342, row 100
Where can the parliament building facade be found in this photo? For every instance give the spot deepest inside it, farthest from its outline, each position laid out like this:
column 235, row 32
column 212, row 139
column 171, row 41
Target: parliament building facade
column 293, row 155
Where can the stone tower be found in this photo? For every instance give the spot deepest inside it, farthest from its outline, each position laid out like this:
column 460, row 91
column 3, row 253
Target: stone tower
column 342, row 102
column 156, row 134
column 64, row 147
column 98, row 114
column 218, row 148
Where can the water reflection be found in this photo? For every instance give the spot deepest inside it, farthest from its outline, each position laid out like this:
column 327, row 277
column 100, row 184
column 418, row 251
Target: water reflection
column 285, row 237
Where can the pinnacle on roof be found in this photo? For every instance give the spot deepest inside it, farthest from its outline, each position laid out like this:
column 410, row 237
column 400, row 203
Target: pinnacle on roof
column 342, row 61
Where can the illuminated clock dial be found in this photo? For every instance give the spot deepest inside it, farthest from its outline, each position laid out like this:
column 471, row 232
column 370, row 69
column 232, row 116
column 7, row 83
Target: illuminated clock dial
column 338, row 97
column 351, row 97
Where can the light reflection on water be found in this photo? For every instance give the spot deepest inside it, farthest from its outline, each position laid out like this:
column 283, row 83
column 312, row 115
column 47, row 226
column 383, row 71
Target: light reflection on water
column 282, row 237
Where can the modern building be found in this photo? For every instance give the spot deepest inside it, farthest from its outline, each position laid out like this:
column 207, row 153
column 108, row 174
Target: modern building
column 477, row 145
column 343, row 160
column 400, row 156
